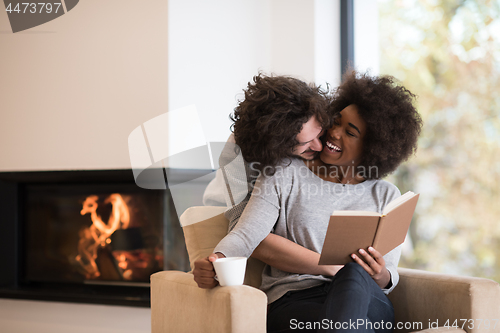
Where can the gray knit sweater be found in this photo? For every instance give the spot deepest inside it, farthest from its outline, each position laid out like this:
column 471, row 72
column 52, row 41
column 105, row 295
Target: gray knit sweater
column 233, row 183
column 296, row 204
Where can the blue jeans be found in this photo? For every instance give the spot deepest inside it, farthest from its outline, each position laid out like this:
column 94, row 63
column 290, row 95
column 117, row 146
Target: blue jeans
column 352, row 302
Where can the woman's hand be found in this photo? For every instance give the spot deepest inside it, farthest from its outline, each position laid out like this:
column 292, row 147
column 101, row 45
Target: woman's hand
column 374, row 264
column 204, row 271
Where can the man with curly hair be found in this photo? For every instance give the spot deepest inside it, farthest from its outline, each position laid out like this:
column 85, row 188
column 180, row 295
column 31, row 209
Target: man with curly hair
column 280, row 118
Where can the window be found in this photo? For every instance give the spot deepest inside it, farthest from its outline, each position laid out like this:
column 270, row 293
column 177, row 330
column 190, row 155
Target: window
column 448, row 54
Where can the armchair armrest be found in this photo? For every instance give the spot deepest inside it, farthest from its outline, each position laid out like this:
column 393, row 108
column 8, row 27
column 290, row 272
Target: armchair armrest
column 178, row 305
column 430, row 298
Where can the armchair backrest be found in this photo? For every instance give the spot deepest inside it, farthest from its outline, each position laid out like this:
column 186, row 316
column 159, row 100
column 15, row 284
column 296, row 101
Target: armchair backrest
column 204, row 227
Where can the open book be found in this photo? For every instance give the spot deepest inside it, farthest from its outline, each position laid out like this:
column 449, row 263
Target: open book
column 349, row 231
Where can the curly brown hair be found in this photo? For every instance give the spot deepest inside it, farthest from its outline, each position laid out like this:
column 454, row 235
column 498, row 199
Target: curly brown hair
column 268, row 120
column 392, row 122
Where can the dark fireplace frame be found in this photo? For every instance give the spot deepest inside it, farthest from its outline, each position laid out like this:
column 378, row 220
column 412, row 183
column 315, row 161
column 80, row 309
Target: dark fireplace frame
column 12, row 191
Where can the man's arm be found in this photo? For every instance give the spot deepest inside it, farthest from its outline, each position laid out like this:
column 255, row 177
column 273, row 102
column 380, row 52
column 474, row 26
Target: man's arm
column 291, row 257
column 275, row 251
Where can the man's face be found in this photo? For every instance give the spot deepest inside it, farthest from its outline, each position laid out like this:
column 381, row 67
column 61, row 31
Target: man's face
column 308, row 138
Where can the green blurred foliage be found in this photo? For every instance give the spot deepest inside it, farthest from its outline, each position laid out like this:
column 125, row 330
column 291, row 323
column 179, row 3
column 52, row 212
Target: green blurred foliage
column 447, row 52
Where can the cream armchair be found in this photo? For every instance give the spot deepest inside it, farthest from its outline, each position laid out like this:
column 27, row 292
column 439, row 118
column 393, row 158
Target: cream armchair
column 421, row 299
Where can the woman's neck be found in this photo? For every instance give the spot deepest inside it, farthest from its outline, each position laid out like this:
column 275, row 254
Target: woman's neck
column 334, row 173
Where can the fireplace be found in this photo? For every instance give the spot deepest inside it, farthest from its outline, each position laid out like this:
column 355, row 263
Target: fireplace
column 86, row 236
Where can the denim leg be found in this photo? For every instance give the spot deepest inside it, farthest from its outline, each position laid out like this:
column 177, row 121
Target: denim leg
column 354, row 298
column 293, row 311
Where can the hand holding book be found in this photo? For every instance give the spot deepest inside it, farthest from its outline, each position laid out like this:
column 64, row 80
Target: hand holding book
column 374, row 264
column 349, row 231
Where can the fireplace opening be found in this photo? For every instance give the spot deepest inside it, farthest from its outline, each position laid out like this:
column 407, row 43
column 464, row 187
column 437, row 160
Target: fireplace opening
column 85, row 236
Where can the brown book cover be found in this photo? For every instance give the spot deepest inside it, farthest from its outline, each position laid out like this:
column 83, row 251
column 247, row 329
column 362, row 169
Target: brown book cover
column 349, row 231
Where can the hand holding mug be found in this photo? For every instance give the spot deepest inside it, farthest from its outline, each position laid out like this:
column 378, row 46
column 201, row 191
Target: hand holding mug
column 204, row 272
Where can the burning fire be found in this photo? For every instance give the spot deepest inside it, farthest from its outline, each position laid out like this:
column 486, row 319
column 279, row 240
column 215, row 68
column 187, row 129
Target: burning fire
column 97, row 235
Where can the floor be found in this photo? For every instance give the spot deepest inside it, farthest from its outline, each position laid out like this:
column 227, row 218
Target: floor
column 21, row 316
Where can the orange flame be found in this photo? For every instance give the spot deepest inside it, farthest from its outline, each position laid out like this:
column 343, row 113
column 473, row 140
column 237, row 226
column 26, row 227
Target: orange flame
column 97, row 235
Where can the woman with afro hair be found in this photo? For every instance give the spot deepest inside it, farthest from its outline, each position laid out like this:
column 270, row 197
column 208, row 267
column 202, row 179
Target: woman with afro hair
column 375, row 128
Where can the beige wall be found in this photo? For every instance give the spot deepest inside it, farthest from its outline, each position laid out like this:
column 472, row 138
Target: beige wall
column 217, row 46
column 71, row 90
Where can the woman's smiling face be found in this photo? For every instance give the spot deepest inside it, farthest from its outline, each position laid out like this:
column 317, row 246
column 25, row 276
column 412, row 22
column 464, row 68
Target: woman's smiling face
column 344, row 140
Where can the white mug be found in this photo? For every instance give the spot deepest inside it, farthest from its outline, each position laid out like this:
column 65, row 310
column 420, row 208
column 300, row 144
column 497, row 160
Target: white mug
column 230, row 271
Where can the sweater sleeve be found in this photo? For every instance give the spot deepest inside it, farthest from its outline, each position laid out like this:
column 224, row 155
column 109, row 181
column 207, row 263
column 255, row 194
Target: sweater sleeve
column 255, row 223
column 237, row 177
column 214, row 193
column 230, row 186
column 392, row 257
column 391, row 263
